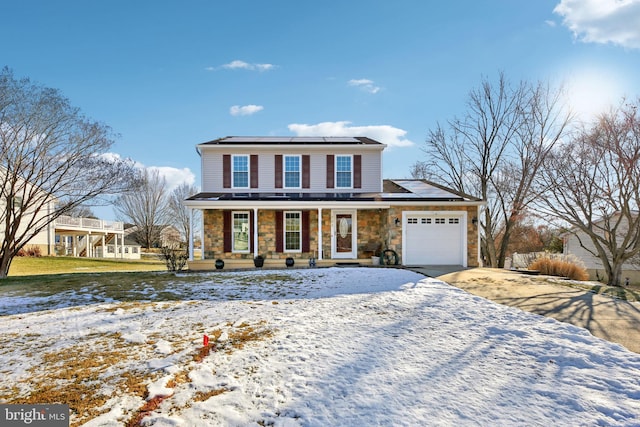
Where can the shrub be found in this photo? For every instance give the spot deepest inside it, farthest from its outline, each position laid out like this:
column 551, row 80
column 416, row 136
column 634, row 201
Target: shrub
column 175, row 259
column 560, row 266
column 32, row 251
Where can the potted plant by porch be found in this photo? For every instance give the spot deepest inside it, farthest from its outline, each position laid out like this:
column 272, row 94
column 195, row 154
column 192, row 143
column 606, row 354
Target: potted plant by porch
column 289, row 262
column 258, row 261
column 219, row 264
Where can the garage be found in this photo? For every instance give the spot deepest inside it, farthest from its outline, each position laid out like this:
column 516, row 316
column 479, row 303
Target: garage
column 434, row 238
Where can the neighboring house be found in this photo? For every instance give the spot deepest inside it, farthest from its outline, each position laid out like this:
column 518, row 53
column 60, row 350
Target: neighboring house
column 11, row 200
column 66, row 235
column 43, row 240
column 324, row 198
column 93, row 238
column 165, row 235
column 578, row 244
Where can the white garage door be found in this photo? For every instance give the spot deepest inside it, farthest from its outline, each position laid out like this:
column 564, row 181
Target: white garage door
column 433, row 239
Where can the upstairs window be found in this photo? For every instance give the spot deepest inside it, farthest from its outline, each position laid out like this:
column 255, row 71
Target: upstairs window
column 292, row 171
column 344, row 172
column 240, row 171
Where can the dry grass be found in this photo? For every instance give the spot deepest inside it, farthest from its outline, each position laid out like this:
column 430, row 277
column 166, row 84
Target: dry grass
column 201, row 396
column 559, row 267
column 76, row 375
column 245, row 333
column 88, row 371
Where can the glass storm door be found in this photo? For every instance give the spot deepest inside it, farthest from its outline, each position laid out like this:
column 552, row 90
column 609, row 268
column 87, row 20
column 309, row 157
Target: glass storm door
column 344, row 234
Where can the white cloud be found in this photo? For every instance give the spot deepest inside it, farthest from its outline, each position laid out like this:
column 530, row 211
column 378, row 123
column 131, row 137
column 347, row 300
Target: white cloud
column 365, row 85
column 386, row 134
column 245, row 110
column 174, row 176
column 242, row 65
column 602, row 21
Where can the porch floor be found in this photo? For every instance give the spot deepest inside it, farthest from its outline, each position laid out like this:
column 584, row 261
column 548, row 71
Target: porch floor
column 234, row 264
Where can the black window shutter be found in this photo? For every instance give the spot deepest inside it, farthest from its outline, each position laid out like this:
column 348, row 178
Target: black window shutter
column 226, row 171
column 226, row 230
column 251, row 230
column 278, row 175
column 357, row 171
column 254, row 170
column 279, row 229
column 330, row 170
column 306, row 171
column 306, row 232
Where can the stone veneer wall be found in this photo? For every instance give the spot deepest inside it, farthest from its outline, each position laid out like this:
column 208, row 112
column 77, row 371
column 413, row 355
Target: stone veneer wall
column 374, row 226
column 395, row 233
column 214, row 237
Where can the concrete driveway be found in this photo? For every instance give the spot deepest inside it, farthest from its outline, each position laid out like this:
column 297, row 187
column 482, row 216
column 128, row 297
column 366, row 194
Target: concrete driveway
column 605, row 317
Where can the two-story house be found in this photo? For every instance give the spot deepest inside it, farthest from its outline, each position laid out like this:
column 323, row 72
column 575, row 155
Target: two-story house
column 324, row 198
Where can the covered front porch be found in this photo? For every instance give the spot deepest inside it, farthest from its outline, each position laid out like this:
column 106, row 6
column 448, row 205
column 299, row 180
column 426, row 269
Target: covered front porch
column 307, row 234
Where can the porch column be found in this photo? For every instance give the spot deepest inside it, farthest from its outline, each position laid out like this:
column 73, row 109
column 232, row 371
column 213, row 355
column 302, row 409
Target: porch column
column 74, row 240
column 202, row 235
column 319, row 234
column 104, row 248
column 115, row 240
column 87, row 246
column 190, row 234
column 255, row 232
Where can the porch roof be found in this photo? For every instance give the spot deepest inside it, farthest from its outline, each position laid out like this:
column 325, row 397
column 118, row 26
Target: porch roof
column 394, row 192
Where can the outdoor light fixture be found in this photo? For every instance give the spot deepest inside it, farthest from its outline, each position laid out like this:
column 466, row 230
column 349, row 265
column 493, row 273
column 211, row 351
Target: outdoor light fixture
column 397, row 221
column 474, row 220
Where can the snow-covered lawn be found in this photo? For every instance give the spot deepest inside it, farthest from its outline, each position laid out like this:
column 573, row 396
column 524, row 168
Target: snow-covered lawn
column 323, row 347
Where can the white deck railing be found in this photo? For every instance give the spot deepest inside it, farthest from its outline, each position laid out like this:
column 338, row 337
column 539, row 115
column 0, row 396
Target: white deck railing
column 79, row 223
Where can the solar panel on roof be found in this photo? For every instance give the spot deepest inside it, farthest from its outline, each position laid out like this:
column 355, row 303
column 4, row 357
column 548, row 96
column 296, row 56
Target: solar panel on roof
column 341, row 139
column 424, row 190
column 273, row 139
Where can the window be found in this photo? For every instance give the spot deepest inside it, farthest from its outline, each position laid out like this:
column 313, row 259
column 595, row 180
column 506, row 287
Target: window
column 454, row 220
column 292, row 232
column 240, row 171
column 343, row 171
column 440, row 220
column 292, row 171
column 240, row 232
column 17, row 202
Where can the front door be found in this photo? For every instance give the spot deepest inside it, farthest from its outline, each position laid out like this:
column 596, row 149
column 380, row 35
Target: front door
column 344, row 234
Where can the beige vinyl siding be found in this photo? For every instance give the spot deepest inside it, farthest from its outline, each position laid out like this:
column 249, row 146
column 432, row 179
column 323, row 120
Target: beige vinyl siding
column 371, row 168
column 572, row 246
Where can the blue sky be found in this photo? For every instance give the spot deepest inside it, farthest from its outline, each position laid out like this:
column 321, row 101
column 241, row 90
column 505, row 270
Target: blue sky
column 167, row 75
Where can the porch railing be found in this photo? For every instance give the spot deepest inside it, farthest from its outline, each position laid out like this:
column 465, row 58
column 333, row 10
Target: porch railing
column 88, row 223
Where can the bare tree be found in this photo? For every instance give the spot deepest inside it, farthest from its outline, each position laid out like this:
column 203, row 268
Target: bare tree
column 593, row 184
column 82, row 211
column 180, row 214
column 543, row 122
column 145, row 207
column 495, row 151
column 52, row 159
